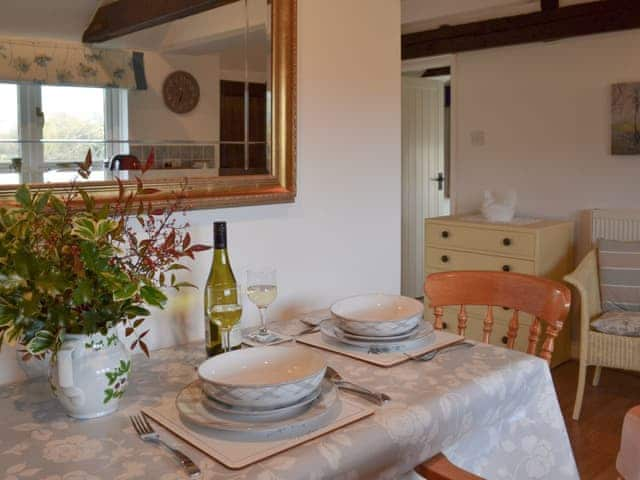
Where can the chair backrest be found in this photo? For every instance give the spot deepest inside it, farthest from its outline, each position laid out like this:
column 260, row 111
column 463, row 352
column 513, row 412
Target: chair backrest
column 546, row 300
column 124, row 162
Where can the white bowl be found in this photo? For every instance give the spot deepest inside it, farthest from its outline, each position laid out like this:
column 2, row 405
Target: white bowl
column 377, row 315
column 262, row 377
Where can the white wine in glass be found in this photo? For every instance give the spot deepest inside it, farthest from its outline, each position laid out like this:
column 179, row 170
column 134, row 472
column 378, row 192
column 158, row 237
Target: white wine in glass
column 262, row 290
column 224, row 310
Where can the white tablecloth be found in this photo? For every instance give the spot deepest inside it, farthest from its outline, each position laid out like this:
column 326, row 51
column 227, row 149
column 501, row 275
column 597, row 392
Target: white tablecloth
column 490, row 410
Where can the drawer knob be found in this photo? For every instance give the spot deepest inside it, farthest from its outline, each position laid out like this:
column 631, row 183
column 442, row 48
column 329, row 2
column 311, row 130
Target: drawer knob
column 444, row 325
column 445, row 234
column 506, row 268
column 444, row 258
column 506, row 308
column 506, row 242
column 505, row 339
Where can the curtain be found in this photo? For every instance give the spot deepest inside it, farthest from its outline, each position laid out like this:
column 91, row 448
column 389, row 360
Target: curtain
column 62, row 63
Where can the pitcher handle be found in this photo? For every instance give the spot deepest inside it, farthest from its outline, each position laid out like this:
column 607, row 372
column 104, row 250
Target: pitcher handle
column 65, row 374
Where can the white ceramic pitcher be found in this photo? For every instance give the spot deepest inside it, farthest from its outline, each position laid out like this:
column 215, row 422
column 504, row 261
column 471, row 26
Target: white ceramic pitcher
column 89, row 374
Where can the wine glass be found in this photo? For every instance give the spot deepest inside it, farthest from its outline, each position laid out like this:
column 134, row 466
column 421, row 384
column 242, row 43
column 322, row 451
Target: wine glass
column 262, row 291
column 224, row 311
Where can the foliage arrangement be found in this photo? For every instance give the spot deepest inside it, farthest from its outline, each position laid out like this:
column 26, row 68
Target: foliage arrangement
column 70, row 265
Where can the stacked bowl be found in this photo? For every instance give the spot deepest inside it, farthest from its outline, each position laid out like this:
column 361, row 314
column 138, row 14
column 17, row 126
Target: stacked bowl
column 261, row 390
column 377, row 322
column 262, row 378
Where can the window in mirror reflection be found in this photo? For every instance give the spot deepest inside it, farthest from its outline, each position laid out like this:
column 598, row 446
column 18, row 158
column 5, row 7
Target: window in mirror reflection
column 74, row 122
column 9, row 146
column 45, row 131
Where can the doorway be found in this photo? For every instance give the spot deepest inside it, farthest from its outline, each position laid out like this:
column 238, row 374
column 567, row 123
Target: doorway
column 426, row 160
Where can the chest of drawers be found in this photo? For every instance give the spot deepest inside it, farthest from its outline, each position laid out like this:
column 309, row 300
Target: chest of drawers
column 543, row 248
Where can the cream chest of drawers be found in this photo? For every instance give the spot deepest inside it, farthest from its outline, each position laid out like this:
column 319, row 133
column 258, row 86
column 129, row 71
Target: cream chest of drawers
column 542, row 248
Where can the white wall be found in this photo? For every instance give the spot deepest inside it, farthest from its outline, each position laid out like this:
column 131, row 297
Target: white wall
column 545, row 111
column 151, row 120
column 342, row 236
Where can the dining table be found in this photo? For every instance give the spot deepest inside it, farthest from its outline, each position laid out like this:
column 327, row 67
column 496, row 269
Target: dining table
column 490, row 410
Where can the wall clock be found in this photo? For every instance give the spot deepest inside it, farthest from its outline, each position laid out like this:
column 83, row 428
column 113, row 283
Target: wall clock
column 181, row 92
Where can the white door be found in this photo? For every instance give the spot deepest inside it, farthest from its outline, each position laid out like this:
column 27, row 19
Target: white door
column 423, row 150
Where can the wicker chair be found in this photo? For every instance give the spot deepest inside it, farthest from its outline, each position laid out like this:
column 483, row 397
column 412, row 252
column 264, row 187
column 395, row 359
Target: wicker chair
column 598, row 349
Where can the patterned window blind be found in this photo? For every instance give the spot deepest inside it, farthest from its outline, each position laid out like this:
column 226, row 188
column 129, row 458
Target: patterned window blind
column 66, row 63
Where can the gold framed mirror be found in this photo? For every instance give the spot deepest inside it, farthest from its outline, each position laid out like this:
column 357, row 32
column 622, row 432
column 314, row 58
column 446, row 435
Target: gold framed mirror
column 277, row 185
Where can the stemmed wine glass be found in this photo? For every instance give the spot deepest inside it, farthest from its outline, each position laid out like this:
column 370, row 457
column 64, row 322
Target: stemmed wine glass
column 262, row 291
column 224, row 310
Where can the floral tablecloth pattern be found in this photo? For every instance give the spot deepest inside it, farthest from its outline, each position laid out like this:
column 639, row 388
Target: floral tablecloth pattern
column 490, row 410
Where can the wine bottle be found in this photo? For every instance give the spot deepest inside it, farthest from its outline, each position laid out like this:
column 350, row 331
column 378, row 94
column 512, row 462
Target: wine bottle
column 220, row 277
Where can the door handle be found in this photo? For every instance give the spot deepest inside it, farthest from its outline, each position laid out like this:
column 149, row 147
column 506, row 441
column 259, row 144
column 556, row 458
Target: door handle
column 440, row 180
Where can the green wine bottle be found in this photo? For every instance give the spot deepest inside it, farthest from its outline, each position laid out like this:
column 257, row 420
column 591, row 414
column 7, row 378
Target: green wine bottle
column 220, row 278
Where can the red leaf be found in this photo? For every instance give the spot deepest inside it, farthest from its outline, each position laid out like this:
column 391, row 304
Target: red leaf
column 150, row 160
column 140, row 184
column 143, row 334
column 144, row 348
column 186, row 241
column 138, row 322
column 88, row 161
column 120, row 189
column 170, row 241
column 199, row 248
column 128, row 331
column 133, row 345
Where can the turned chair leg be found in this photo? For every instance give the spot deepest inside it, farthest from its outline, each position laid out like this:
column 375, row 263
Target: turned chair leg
column 596, row 376
column 582, row 377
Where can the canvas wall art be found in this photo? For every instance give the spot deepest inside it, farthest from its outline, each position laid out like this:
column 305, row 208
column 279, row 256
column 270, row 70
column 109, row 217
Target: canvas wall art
column 625, row 119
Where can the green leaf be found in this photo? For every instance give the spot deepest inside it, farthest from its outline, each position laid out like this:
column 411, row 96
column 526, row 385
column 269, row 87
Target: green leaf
column 41, row 201
column 84, row 228
column 180, row 285
column 125, row 291
column 57, row 204
column 153, row 296
column 136, row 311
column 83, row 293
column 43, row 341
column 105, row 227
column 23, row 196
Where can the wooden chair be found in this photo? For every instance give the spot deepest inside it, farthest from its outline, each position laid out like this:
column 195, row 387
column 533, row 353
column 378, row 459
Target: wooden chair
column 546, row 300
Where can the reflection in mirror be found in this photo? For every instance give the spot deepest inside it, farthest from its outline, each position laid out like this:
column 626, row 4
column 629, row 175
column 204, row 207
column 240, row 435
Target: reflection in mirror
column 200, row 101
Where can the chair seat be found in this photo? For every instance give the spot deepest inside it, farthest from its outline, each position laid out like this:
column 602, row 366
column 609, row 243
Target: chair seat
column 625, row 324
column 628, row 462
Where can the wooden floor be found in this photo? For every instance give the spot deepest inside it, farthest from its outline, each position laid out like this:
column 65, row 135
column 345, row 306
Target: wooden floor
column 595, row 438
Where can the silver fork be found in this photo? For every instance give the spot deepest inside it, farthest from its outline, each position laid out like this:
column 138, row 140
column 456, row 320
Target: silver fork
column 378, row 398
column 427, row 357
column 146, row 432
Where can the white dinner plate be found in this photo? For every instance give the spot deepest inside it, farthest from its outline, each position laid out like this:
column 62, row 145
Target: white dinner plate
column 191, row 406
column 252, row 412
column 390, row 338
column 422, row 336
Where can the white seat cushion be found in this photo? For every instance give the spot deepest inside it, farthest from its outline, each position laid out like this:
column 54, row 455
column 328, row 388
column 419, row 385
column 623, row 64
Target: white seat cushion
column 626, row 324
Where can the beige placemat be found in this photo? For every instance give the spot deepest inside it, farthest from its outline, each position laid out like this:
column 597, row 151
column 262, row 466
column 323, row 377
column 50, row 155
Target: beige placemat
column 390, row 359
column 236, row 454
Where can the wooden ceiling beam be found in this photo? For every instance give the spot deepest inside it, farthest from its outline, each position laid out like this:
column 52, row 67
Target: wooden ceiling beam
column 127, row 16
column 549, row 24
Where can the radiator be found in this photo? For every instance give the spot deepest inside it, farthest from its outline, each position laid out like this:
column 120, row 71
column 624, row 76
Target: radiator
column 615, row 225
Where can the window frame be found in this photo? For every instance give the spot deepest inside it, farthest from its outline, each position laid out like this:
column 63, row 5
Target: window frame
column 31, row 120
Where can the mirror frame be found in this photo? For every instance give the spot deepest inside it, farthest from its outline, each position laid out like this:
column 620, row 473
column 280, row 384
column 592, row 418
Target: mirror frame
column 231, row 191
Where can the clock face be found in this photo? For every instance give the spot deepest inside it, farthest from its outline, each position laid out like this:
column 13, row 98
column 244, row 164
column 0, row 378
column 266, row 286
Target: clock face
column 181, row 92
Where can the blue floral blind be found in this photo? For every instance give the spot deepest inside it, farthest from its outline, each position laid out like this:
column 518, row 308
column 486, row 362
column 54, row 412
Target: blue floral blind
column 61, row 63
